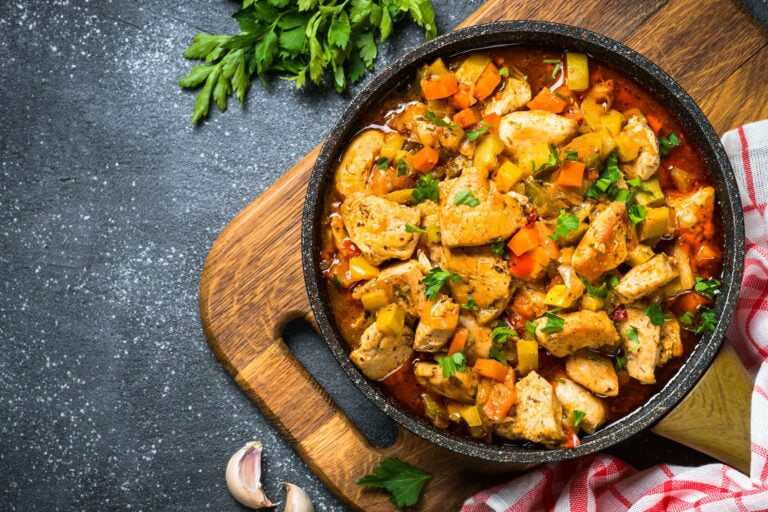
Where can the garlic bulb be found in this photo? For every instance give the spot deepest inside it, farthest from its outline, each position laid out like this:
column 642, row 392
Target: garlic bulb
column 297, row 499
column 244, row 476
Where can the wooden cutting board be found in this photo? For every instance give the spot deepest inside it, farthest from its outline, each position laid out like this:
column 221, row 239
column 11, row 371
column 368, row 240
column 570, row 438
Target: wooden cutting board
column 249, row 291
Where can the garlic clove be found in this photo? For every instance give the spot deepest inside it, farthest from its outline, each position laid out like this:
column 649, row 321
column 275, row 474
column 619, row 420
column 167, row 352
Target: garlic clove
column 297, row 499
column 244, row 476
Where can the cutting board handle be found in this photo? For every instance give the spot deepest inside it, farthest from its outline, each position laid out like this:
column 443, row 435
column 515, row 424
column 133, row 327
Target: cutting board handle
column 251, row 286
column 714, row 417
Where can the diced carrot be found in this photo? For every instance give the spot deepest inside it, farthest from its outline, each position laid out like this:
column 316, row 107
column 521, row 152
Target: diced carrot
column 524, row 240
column 706, row 255
column 493, row 121
column 655, row 123
column 547, row 100
column 550, row 246
column 458, row 341
column 499, row 402
column 690, row 301
column 487, row 82
column 440, row 87
column 491, row 368
column 571, row 174
column 466, row 117
column 521, row 266
column 425, row 159
column 462, row 99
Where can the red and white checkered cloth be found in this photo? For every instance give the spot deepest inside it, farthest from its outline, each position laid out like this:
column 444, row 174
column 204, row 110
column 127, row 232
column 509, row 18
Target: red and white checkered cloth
column 605, row 484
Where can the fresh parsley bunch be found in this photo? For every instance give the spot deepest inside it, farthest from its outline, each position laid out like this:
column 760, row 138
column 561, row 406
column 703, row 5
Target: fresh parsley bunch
column 299, row 39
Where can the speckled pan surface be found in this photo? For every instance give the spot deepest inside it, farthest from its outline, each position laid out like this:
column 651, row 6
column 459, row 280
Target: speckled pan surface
column 666, row 90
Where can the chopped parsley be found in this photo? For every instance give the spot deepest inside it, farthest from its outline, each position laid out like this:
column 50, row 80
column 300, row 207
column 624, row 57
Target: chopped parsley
column 554, row 323
column 472, row 135
column 637, row 213
column 426, row 188
column 466, row 197
column 606, row 184
column 570, row 154
column 402, row 481
column 382, row 162
column 551, row 160
column 471, row 305
column 707, row 288
column 504, row 71
column 452, row 364
column 600, row 292
column 435, row 280
column 530, row 327
column 577, row 417
column 686, row 319
column 613, row 281
column 501, row 333
column 414, row 229
column 497, row 248
column 666, row 144
column 432, row 118
column 402, row 168
column 656, row 315
column 555, row 71
column 567, row 223
column 498, row 354
column 632, row 336
column 621, row 361
column 708, row 321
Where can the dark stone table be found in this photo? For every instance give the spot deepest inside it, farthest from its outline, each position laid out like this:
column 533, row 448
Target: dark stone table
column 109, row 202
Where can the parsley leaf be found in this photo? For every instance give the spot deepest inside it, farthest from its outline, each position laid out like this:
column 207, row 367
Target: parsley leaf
column 472, row 135
column 414, row 229
column 504, row 71
column 471, row 305
column 567, row 223
column 600, row 292
column 707, row 288
column 637, row 213
column 435, row 280
column 621, row 361
column 530, row 327
column 612, row 281
column 403, row 481
column 708, row 321
column 382, row 162
column 466, row 197
column 666, row 144
column 301, row 41
column 426, row 188
column 632, row 336
column 498, row 354
column 452, row 364
column 606, row 184
column 402, row 168
column 570, row 154
column 432, row 118
column 554, row 323
column 497, row 248
column 501, row 333
column 577, row 417
column 686, row 319
column 554, row 154
column 656, row 315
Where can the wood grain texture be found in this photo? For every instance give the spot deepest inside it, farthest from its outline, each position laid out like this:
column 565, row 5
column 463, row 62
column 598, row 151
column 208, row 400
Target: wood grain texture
column 721, row 59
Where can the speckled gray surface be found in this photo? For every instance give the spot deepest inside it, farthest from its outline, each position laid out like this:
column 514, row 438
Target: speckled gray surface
column 109, row 201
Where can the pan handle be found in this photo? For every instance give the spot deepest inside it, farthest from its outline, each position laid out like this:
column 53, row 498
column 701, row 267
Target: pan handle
column 714, row 417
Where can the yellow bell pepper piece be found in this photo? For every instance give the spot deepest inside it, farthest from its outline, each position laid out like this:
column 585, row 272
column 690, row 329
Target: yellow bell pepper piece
column 391, row 319
column 360, row 269
column 471, row 415
column 432, row 227
column 374, row 300
column 558, row 296
column 627, row 147
column 577, row 71
column 402, row 196
column 508, row 176
column 487, row 152
column 592, row 303
column 640, row 254
column 393, row 142
column 527, row 356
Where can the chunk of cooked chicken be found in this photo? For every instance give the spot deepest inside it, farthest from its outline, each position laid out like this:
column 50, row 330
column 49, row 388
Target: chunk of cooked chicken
column 581, row 329
column 380, row 354
column 402, row 282
column 461, row 386
column 538, row 415
column 520, row 129
column 576, row 398
column 694, row 209
column 438, row 323
column 352, row 172
column 377, row 227
column 479, row 340
column 485, row 276
column 515, row 95
column 643, row 353
column 647, row 162
column 593, row 371
column 496, row 215
column 670, row 340
column 645, row 278
column 604, row 245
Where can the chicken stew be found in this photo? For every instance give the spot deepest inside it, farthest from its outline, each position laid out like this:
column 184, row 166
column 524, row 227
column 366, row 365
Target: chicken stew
column 521, row 245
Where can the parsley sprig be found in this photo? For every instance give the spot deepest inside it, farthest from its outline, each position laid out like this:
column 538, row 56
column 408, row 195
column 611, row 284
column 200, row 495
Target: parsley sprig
column 666, row 144
column 432, row 118
column 436, row 278
column 656, row 315
column 707, row 288
column 302, row 41
column 567, row 223
column 554, row 323
column 426, row 188
column 452, row 364
column 402, row 481
column 466, row 197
